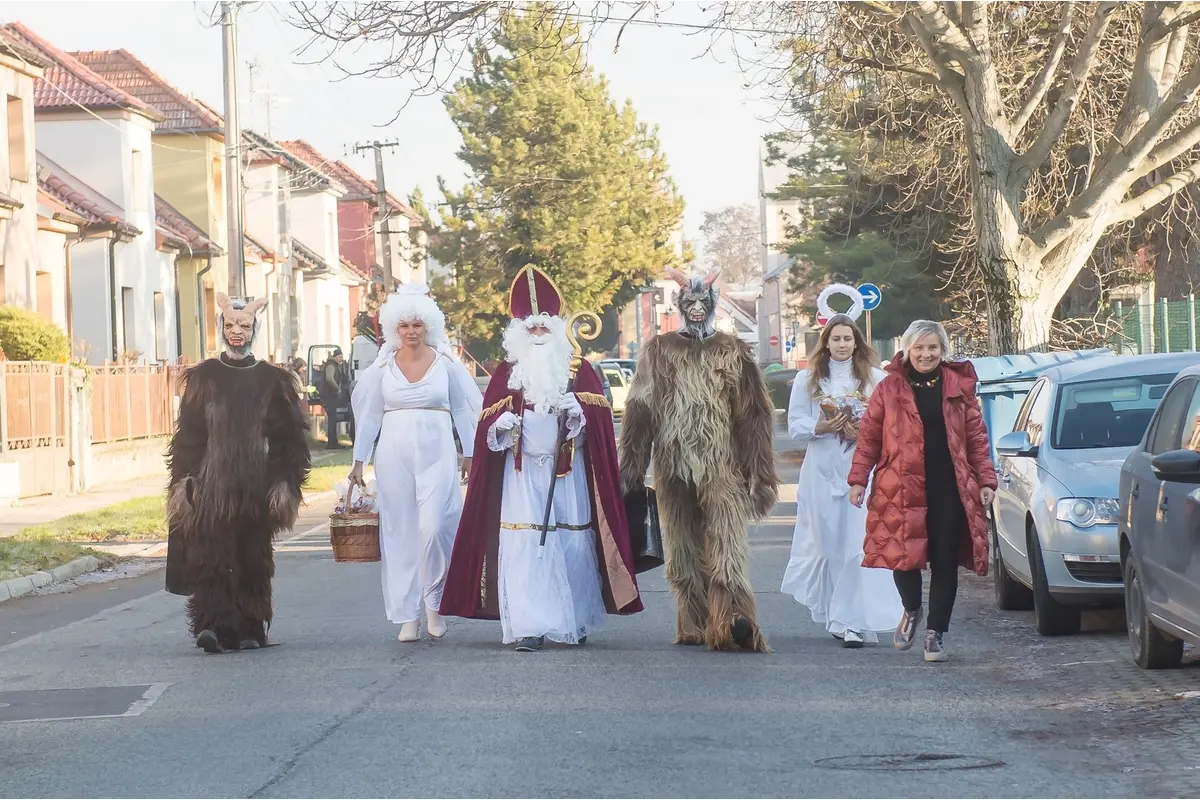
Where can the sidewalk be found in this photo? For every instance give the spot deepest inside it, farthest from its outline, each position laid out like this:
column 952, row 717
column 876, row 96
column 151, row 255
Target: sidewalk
column 44, row 510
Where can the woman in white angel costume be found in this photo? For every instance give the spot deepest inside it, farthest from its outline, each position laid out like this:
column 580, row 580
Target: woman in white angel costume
column 825, row 571
column 413, row 397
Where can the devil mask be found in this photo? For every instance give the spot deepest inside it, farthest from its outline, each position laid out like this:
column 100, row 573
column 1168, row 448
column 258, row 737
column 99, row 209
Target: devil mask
column 697, row 302
column 237, row 320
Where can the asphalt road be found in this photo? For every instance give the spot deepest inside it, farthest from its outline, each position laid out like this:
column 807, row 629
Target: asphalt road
column 340, row 709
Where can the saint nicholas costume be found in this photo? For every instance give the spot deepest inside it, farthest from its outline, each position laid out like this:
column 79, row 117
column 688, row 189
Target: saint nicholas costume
column 563, row 590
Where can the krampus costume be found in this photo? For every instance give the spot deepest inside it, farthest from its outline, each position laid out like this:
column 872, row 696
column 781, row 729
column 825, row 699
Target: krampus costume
column 699, row 404
column 237, row 460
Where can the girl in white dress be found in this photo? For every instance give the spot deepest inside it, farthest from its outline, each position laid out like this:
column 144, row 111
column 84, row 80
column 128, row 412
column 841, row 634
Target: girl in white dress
column 825, row 571
column 413, row 398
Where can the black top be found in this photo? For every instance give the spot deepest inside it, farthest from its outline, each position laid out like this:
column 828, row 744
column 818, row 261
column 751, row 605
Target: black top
column 939, row 467
column 229, row 360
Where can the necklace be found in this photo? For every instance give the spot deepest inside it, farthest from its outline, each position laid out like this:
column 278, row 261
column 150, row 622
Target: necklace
column 925, row 384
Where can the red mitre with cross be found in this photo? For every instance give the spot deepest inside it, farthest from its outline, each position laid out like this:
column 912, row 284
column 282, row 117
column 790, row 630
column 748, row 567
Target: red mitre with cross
column 533, row 293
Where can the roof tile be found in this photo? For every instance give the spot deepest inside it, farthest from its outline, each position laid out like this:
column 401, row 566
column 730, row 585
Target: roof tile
column 125, row 71
column 170, row 220
column 68, row 190
column 358, row 186
column 67, row 82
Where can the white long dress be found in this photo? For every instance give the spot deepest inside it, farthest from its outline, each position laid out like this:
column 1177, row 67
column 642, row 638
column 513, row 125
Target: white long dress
column 558, row 595
column 825, row 571
column 416, row 473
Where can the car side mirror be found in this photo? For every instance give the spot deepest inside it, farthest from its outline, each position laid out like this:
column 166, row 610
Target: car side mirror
column 1177, row 466
column 1016, row 445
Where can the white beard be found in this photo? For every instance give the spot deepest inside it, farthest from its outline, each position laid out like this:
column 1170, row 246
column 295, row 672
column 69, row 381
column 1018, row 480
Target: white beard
column 540, row 372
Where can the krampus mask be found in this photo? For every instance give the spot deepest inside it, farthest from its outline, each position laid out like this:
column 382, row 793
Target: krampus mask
column 237, row 320
column 697, row 302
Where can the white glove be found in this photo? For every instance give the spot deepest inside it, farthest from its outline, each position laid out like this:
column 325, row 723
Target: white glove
column 507, row 422
column 570, row 406
column 575, row 419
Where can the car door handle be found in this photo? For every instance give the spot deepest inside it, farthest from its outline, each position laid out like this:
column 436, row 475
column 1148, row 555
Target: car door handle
column 1162, row 504
column 1005, row 477
column 1134, row 492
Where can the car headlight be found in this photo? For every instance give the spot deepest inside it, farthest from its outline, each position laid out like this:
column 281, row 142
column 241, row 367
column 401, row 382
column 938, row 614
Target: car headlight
column 1084, row 512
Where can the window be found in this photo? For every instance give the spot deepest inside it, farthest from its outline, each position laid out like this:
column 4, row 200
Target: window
column 138, row 165
column 160, row 327
column 1107, row 413
column 210, row 320
column 18, row 143
column 128, row 321
column 1168, row 429
column 1191, row 422
column 45, row 295
column 1023, row 414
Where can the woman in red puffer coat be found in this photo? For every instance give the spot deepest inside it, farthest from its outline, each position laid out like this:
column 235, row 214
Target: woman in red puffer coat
column 925, row 439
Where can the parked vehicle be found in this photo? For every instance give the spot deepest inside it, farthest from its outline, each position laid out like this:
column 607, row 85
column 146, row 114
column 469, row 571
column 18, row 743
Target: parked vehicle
column 628, row 366
column 1159, row 524
column 1054, row 520
column 618, row 386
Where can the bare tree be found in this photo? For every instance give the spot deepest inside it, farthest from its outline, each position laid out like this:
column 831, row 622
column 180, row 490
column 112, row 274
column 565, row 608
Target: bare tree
column 732, row 242
column 1050, row 124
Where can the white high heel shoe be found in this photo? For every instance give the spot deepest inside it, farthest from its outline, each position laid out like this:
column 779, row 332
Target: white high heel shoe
column 410, row 631
column 435, row 623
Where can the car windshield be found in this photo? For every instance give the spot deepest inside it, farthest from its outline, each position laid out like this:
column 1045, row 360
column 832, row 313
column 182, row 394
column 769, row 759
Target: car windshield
column 1107, row 413
column 614, row 377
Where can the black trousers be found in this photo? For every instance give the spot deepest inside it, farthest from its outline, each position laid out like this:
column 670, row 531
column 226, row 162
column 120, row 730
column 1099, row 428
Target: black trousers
column 946, row 525
column 331, row 424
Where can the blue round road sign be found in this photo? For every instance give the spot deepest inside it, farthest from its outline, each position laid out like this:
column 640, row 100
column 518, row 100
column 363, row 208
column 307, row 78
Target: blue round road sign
column 871, row 296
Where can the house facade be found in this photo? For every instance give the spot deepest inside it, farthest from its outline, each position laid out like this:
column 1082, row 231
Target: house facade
column 96, row 140
column 26, row 278
column 188, row 150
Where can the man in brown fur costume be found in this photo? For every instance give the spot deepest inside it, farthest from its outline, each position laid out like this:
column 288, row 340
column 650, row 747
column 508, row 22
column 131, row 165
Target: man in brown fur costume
column 699, row 404
column 238, row 459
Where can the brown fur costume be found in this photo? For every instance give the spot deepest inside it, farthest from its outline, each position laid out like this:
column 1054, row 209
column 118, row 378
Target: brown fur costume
column 700, row 405
column 238, row 460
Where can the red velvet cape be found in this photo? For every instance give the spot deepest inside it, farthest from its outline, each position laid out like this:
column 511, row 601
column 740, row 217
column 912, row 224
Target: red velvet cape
column 470, row 589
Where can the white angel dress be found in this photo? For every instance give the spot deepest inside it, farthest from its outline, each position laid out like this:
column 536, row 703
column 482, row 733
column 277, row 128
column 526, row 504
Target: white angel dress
column 416, row 472
column 825, row 571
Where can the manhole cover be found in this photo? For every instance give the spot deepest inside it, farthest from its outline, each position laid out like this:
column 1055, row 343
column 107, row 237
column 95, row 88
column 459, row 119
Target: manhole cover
column 909, row 762
column 52, row 705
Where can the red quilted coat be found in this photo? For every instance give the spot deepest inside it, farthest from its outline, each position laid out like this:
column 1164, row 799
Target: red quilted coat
column 891, row 441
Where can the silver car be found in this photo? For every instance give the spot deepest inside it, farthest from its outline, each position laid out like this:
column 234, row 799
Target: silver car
column 1054, row 520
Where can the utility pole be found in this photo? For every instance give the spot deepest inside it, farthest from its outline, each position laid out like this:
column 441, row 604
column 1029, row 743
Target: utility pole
column 382, row 211
column 233, row 158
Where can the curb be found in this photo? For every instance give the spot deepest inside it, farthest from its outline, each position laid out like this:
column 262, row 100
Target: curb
column 19, row 587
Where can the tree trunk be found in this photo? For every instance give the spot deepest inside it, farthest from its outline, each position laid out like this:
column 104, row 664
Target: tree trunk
column 996, row 208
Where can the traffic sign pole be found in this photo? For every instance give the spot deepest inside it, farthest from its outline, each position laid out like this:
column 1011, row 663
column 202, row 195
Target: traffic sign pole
column 868, row 326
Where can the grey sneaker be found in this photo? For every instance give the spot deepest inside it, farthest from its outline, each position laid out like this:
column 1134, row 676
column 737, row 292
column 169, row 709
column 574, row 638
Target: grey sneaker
column 906, row 631
column 933, row 647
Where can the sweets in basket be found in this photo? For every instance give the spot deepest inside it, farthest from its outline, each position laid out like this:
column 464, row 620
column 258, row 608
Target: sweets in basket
column 354, row 523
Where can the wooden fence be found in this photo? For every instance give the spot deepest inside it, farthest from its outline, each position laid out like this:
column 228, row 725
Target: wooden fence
column 133, row 402
column 35, row 424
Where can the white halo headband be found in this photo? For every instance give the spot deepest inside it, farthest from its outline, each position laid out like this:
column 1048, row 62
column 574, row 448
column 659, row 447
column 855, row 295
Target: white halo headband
column 856, row 301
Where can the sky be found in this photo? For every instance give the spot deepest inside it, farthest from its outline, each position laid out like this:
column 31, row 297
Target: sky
column 710, row 124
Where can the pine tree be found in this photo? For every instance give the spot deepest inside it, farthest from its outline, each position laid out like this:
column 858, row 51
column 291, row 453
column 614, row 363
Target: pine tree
column 561, row 177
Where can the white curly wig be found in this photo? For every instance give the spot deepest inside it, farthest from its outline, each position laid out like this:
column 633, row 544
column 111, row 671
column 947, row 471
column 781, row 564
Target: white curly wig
column 411, row 301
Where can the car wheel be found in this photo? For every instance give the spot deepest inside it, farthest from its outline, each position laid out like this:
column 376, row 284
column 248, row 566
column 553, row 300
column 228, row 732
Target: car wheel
column 1011, row 594
column 1152, row 649
column 1052, row 617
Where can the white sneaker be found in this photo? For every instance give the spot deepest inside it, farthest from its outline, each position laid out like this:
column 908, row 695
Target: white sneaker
column 435, row 623
column 852, row 640
column 410, row 631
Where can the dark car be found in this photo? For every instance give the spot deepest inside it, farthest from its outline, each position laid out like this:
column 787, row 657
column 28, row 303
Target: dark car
column 1160, row 529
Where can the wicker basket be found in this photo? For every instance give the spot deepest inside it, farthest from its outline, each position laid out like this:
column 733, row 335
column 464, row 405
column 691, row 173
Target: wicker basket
column 355, row 537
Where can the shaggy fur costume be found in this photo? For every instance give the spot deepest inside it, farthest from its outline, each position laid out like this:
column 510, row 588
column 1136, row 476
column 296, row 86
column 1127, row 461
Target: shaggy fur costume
column 237, row 461
column 700, row 408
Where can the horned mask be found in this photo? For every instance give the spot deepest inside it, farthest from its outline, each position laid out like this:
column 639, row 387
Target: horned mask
column 237, row 320
column 697, row 302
